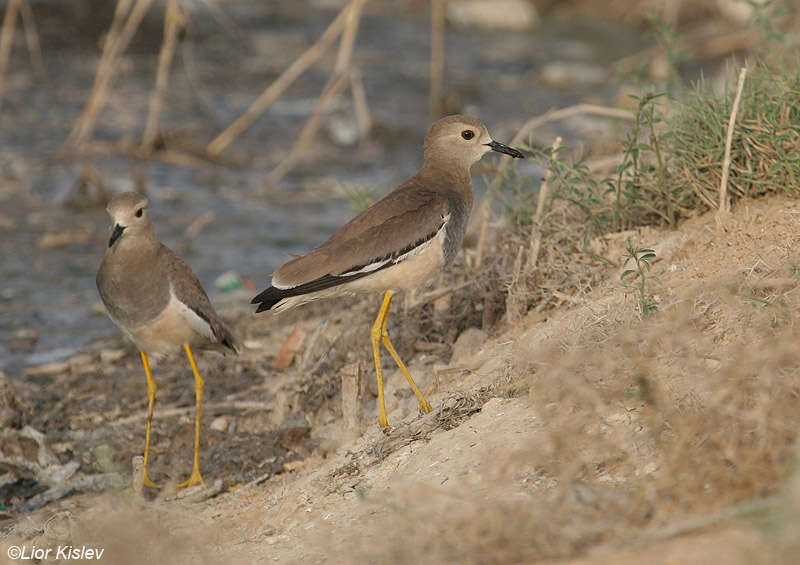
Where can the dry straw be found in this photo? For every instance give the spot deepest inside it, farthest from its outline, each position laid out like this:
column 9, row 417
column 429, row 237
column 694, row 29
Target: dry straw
column 724, row 204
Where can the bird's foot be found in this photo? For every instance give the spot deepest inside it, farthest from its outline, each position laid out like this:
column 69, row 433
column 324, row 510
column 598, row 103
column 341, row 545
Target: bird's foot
column 194, row 479
column 384, row 424
column 146, row 480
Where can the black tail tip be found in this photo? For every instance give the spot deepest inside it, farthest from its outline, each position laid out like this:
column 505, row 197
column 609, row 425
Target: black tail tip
column 267, row 299
column 233, row 344
column 264, row 306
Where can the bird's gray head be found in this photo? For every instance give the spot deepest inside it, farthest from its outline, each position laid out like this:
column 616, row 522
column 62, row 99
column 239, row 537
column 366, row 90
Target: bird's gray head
column 129, row 215
column 461, row 140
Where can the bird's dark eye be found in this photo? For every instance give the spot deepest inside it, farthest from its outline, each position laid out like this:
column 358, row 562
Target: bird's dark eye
column 467, row 134
column 139, row 212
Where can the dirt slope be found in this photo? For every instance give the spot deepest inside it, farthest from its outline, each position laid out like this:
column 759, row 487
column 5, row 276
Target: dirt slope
column 586, row 436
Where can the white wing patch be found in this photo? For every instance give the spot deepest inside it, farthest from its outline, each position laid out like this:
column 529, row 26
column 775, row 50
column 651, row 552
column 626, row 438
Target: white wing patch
column 407, row 255
column 197, row 323
column 366, row 268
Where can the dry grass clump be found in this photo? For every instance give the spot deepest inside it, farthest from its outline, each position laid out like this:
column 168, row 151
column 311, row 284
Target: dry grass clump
column 671, row 164
column 766, row 143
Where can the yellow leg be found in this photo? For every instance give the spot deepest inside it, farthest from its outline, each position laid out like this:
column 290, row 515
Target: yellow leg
column 151, row 400
column 423, row 404
column 375, row 335
column 195, row 478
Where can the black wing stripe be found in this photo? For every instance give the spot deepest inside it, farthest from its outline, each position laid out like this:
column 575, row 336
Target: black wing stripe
column 275, row 295
column 392, row 257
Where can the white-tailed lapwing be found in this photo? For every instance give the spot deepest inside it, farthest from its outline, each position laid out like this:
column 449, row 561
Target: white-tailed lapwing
column 397, row 243
column 157, row 301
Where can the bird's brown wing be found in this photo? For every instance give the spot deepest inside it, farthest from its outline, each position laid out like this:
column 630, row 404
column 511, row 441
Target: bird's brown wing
column 406, row 218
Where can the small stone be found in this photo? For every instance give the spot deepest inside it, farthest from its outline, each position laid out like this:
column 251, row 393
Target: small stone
column 62, row 238
column 219, row 424
column 23, row 339
column 81, row 363
column 498, row 14
column 26, row 334
column 563, row 74
column 111, row 355
column 290, row 466
column 104, row 459
column 254, row 343
column 98, row 309
column 343, row 129
column 46, row 369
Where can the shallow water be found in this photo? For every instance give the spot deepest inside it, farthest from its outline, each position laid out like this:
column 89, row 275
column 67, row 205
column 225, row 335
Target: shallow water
column 493, row 74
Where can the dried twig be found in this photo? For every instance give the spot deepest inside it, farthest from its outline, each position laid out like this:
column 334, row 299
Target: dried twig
column 6, row 40
column 437, row 58
column 335, row 84
column 536, row 240
column 207, row 408
column 173, row 21
column 137, row 468
column 193, row 230
column 170, row 155
column 265, row 100
column 32, row 38
column 486, row 205
column 724, row 205
column 779, row 283
column 206, row 101
column 124, row 25
column 514, row 304
column 438, row 293
column 348, row 41
column 352, row 397
column 363, row 117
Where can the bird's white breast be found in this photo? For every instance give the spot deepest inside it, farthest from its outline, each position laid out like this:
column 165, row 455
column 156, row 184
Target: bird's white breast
column 174, row 327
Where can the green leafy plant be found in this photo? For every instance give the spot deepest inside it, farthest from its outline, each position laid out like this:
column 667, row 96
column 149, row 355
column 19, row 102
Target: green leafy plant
column 637, row 199
column 635, row 279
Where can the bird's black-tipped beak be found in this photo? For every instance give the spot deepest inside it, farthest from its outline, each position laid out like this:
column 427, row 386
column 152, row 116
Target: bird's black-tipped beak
column 118, row 229
column 500, row 148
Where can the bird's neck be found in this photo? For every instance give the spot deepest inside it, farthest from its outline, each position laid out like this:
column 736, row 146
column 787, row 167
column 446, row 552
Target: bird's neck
column 448, row 177
column 141, row 245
